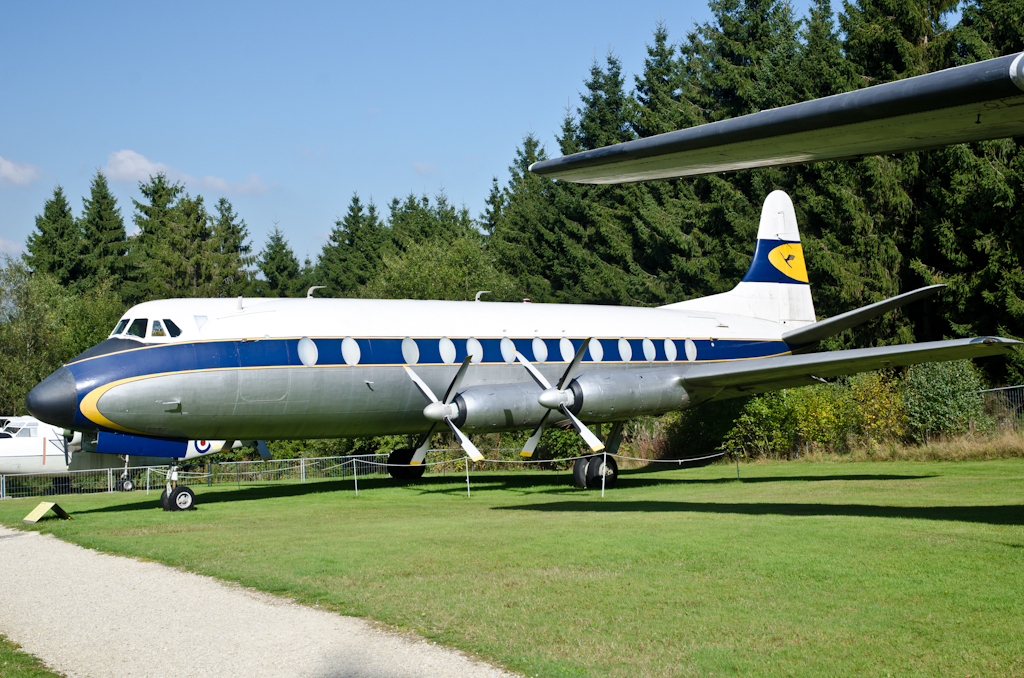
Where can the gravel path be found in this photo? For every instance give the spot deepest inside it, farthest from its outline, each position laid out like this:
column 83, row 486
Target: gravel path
column 89, row 614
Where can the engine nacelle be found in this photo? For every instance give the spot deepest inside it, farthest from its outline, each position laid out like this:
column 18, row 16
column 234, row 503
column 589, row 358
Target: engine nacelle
column 608, row 396
column 499, row 407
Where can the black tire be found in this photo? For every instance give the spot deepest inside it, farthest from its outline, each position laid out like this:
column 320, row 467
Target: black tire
column 126, row 485
column 579, row 472
column 405, row 471
column 182, row 499
column 602, row 464
column 163, row 501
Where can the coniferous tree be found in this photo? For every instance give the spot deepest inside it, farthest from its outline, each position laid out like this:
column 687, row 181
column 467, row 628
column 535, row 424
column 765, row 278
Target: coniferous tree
column 105, row 239
column 607, row 115
column 154, row 221
column 353, row 251
column 231, row 235
column 279, row 267
column 57, row 246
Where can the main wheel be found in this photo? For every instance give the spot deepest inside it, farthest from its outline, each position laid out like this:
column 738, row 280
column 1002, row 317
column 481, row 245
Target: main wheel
column 404, row 471
column 602, row 465
column 126, row 484
column 182, row 499
column 164, row 504
column 579, row 472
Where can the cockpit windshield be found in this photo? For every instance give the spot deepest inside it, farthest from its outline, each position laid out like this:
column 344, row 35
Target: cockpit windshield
column 120, row 326
column 138, row 327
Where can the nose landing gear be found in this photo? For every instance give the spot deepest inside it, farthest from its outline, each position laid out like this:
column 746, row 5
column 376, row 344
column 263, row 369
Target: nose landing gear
column 176, row 497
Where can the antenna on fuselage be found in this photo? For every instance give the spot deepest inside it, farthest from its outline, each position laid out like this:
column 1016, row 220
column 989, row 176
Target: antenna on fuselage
column 309, row 292
column 477, row 297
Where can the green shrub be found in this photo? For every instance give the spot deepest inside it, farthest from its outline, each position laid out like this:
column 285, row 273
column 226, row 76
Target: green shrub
column 943, row 399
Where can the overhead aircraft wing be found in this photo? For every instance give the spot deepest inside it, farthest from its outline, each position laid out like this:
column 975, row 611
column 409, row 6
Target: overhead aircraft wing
column 984, row 100
column 748, row 377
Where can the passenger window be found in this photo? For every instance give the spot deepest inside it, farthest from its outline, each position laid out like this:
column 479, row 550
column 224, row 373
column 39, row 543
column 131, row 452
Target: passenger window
column 138, row 327
column 158, row 329
column 172, row 328
column 120, row 326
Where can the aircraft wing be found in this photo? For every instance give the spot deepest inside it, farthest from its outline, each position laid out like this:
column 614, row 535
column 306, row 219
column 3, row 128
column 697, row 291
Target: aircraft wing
column 750, row 377
column 983, row 100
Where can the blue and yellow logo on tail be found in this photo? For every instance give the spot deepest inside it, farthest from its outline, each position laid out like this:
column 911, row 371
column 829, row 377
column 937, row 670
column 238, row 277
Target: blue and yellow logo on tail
column 778, row 261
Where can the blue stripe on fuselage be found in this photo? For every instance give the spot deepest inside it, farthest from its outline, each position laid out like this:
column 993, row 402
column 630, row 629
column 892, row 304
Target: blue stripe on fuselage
column 94, row 372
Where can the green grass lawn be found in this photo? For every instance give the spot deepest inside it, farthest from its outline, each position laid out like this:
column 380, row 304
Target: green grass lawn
column 16, row 664
column 907, row 569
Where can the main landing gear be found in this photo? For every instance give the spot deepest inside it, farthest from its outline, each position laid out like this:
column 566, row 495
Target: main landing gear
column 176, row 497
column 400, row 467
column 596, row 470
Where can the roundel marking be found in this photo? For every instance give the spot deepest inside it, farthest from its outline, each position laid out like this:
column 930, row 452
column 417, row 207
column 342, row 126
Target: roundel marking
column 350, row 351
column 789, row 260
column 540, row 350
column 202, row 445
column 410, row 351
column 447, row 349
column 475, row 350
column 307, row 352
column 625, row 350
column 565, row 347
column 508, row 350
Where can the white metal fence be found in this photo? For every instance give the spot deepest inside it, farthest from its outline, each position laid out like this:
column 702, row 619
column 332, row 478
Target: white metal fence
column 1006, row 405
column 237, row 473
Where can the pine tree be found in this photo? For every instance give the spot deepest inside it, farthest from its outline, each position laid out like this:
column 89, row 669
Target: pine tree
column 353, row 251
column 154, row 221
column 57, row 246
column 105, row 239
column 892, row 39
column 231, row 235
column 279, row 267
column 607, row 115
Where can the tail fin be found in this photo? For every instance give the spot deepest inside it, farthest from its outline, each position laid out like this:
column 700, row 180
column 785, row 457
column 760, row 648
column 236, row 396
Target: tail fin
column 775, row 287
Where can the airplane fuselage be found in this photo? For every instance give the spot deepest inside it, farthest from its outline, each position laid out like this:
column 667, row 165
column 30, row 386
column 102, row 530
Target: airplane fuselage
column 312, row 368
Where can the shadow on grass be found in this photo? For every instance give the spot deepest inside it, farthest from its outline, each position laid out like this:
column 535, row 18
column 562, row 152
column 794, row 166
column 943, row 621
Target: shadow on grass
column 1009, row 514
column 555, row 484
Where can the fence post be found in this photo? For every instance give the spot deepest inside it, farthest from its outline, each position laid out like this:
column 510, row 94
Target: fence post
column 467, row 477
column 110, row 480
column 147, row 481
column 3, row 487
column 302, row 470
column 355, row 476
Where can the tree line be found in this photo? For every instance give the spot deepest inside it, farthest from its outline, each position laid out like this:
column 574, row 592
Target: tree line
column 871, row 228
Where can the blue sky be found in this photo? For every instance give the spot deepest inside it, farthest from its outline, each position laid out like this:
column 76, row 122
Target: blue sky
column 288, row 110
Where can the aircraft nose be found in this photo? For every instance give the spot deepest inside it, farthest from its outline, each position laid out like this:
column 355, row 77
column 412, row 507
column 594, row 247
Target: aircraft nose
column 54, row 399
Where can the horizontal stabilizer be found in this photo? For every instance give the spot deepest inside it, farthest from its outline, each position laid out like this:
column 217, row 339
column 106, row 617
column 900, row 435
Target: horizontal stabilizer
column 983, row 100
column 811, row 334
column 758, row 376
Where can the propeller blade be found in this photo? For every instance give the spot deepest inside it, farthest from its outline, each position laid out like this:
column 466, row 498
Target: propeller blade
column 469, row 447
column 531, row 444
column 457, row 381
column 420, row 454
column 588, row 435
column 534, row 372
column 570, row 371
column 422, row 384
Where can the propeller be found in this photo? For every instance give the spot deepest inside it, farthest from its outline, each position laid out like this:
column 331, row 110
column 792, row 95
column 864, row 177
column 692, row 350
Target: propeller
column 558, row 398
column 443, row 411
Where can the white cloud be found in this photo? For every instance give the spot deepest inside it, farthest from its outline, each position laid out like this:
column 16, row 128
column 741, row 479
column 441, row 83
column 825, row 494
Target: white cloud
column 18, row 173
column 424, row 168
column 127, row 165
column 9, row 247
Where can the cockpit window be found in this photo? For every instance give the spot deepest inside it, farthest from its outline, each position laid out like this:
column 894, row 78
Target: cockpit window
column 158, row 329
column 26, row 432
column 138, row 327
column 172, row 328
column 120, row 326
